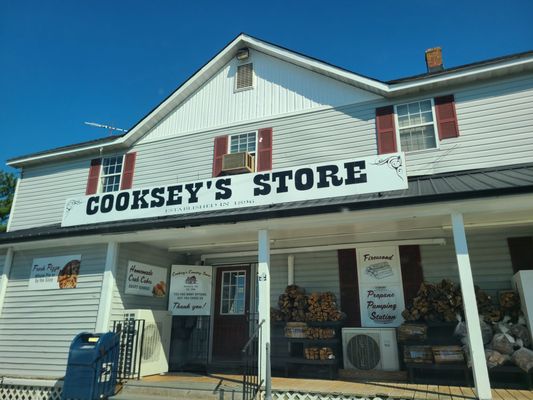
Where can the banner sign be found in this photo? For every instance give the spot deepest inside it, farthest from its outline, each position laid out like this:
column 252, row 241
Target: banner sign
column 325, row 180
column 190, row 290
column 380, row 286
column 55, row 273
column 146, row 280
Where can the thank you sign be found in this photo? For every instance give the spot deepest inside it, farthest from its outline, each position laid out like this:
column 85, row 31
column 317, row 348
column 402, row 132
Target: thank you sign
column 311, row 182
column 190, row 290
column 380, row 286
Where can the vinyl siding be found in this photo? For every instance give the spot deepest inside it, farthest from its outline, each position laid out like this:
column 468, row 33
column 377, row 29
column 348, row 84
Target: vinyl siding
column 315, row 272
column 37, row 326
column 147, row 255
column 279, row 88
column 495, row 122
column 489, row 256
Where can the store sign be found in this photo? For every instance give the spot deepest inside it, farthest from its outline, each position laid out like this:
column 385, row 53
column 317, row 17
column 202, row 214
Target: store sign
column 380, row 286
column 326, row 180
column 190, row 290
column 146, row 280
column 55, row 273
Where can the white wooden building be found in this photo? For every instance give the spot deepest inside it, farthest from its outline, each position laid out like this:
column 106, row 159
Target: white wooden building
column 463, row 137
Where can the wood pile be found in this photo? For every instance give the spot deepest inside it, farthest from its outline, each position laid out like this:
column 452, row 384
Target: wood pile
column 316, row 353
column 510, row 304
column 418, row 354
column 443, row 301
column 295, row 305
column 322, row 307
column 319, row 333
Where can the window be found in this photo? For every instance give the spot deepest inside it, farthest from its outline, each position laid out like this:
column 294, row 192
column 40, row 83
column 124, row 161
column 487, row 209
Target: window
column 233, row 296
column 111, row 173
column 416, row 126
column 245, row 77
column 243, row 142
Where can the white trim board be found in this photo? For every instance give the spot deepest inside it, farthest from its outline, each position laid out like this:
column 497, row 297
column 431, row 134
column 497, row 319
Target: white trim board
column 310, row 249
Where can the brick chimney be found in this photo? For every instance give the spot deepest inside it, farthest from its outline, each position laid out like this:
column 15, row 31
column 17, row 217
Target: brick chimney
column 434, row 59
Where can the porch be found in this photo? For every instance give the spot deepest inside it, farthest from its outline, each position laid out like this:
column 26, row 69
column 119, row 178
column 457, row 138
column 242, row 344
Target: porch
column 210, row 386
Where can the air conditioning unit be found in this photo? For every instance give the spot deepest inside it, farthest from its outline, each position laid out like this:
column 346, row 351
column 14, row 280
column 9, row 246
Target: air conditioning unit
column 370, row 349
column 237, row 163
column 156, row 341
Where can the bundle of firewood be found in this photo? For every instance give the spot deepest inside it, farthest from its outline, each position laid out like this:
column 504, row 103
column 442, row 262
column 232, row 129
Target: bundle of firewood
column 322, row 307
column 315, row 353
column 293, row 304
column 443, row 302
column 319, row 333
column 510, row 304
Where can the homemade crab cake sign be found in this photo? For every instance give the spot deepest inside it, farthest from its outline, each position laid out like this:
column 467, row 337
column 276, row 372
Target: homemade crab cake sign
column 380, row 286
column 55, row 273
column 146, row 280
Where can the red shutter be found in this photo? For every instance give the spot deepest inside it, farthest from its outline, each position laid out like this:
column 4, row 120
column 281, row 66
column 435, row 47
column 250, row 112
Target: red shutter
column 219, row 149
column 264, row 150
column 386, row 131
column 412, row 274
column 521, row 251
column 446, row 117
column 94, row 176
column 349, row 287
column 127, row 173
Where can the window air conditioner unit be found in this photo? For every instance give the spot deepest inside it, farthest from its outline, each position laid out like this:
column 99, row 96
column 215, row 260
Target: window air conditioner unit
column 237, row 163
column 370, row 349
column 156, row 343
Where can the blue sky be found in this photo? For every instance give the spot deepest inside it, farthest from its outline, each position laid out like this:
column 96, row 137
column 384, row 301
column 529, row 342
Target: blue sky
column 66, row 62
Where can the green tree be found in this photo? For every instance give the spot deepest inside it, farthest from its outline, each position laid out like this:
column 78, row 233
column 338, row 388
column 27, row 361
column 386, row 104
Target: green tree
column 7, row 191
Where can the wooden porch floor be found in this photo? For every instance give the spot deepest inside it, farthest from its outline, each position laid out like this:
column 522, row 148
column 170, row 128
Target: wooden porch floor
column 349, row 388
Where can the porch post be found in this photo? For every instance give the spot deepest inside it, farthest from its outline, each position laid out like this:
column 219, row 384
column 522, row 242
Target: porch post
column 475, row 341
column 108, row 285
column 263, row 273
column 8, row 262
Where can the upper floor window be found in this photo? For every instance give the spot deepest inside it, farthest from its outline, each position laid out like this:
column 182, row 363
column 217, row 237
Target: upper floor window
column 243, row 142
column 416, row 126
column 111, row 173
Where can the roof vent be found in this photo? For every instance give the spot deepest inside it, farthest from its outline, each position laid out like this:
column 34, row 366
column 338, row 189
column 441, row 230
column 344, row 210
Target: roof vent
column 434, row 59
column 245, row 76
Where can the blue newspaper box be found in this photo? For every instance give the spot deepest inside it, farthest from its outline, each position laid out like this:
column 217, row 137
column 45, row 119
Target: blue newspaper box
column 92, row 366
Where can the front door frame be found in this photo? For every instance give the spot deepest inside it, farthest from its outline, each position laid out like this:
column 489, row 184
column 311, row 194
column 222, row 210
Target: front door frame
column 252, row 293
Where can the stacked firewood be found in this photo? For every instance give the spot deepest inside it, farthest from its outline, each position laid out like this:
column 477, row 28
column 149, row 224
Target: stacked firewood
column 510, row 304
column 319, row 333
column 443, row 302
column 316, row 353
column 322, row 307
column 293, row 304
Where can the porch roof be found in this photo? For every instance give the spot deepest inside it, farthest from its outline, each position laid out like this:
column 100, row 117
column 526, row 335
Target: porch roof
column 459, row 185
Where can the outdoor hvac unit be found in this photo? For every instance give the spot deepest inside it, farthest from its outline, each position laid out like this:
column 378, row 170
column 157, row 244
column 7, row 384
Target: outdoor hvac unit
column 156, row 340
column 370, row 349
column 236, row 163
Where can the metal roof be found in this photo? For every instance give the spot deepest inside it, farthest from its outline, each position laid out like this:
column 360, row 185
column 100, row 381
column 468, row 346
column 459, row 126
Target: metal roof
column 497, row 181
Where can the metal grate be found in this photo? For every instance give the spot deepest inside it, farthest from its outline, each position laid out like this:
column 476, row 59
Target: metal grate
column 131, row 347
column 245, row 76
column 363, row 352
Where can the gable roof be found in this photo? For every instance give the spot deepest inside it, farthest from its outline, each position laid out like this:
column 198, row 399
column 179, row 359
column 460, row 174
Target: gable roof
column 489, row 68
